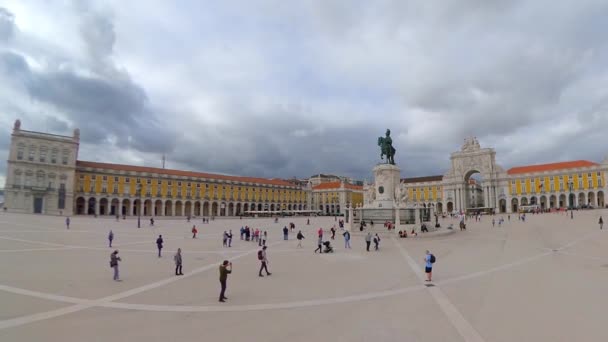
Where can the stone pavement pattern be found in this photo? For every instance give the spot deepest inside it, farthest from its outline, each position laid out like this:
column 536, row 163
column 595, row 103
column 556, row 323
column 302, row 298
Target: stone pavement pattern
column 542, row 280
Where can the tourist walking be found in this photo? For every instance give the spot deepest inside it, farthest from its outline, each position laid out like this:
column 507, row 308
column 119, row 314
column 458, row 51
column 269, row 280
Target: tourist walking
column 346, row 239
column 159, row 244
column 225, row 239
column 376, row 242
column 493, row 223
column 110, row 238
column 601, row 222
column 300, row 237
column 368, row 240
column 264, row 261
column 319, row 244
column 151, row 221
column 114, row 259
column 67, row 222
column 285, row 233
column 225, row 270
column 178, row 262
column 194, row 231
column 429, row 260
column 265, row 236
column 229, row 238
column 333, row 232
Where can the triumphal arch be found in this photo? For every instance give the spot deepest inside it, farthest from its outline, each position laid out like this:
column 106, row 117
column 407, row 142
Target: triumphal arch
column 458, row 184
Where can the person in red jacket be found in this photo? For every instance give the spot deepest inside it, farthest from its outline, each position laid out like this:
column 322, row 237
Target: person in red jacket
column 194, row 231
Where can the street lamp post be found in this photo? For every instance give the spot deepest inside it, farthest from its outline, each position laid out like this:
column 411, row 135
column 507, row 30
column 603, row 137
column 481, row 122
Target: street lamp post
column 570, row 186
column 139, row 206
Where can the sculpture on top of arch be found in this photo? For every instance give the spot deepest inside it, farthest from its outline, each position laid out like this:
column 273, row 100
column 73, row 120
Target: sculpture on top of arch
column 470, row 144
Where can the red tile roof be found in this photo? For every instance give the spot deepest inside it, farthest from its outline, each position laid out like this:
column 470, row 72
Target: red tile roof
column 422, row 179
column 551, row 167
column 120, row 167
column 336, row 185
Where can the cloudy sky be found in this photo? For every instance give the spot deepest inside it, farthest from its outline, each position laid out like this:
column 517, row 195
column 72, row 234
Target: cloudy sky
column 284, row 88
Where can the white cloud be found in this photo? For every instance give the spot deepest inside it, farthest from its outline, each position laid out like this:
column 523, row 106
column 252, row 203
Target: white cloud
column 265, row 88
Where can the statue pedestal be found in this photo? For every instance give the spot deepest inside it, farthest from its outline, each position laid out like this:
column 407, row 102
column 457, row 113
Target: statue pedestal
column 386, row 181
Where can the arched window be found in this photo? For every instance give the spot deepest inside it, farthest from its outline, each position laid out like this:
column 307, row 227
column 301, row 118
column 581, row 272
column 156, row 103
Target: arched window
column 64, row 156
column 29, row 175
column 20, row 151
column 17, row 181
column 31, row 153
column 54, row 153
column 42, row 156
column 40, row 181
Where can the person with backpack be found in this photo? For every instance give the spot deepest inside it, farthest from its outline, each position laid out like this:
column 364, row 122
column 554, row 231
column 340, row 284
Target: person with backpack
column 159, row 244
column 428, row 269
column 110, row 238
column 300, row 237
column 114, row 259
column 376, row 242
column 346, row 235
column 264, row 261
column 178, row 262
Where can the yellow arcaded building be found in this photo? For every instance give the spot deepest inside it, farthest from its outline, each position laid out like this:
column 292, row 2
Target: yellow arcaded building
column 45, row 176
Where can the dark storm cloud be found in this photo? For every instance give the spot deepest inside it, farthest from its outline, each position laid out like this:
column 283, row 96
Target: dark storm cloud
column 265, row 89
column 104, row 103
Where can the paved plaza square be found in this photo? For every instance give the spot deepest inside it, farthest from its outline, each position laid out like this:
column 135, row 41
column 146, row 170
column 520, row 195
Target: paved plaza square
column 542, row 280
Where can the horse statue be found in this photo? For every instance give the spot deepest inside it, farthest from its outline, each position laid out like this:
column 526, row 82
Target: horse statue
column 386, row 148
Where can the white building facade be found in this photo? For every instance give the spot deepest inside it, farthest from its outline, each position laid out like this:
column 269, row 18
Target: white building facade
column 40, row 172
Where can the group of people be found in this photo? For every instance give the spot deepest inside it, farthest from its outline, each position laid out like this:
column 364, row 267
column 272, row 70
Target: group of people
column 403, row 233
column 254, row 235
column 247, row 233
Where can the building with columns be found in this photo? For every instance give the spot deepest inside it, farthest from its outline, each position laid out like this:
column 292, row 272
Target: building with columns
column 579, row 183
column 332, row 198
column 44, row 176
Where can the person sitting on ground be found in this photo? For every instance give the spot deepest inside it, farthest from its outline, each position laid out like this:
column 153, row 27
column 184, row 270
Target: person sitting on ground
column 413, row 233
column 424, row 229
column 400, row 234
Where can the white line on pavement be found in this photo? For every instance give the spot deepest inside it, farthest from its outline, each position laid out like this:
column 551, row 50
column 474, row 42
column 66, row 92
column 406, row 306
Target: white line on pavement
column 464, row 328
column 99, row 302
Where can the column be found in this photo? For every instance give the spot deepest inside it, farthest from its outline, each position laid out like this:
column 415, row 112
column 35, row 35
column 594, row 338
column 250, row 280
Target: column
column 172, row 208
column 219, row 208
column 162, row 208
column 486, row 200
column 417, row 216
column 397, row 220
column 96, row 206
